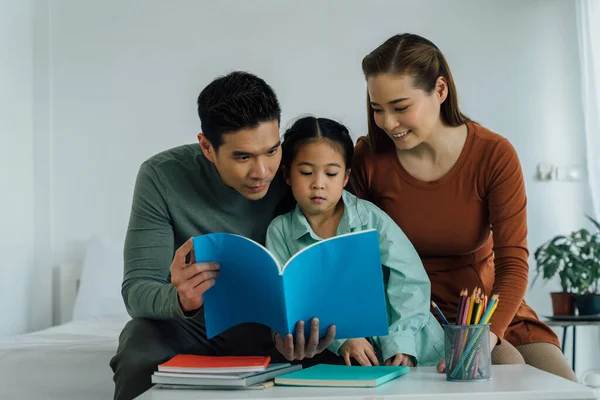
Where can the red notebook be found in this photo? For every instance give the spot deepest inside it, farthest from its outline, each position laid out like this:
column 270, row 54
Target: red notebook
column 192, row 364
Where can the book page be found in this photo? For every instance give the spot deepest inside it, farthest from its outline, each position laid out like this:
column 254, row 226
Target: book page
column 339, row 281
column 249, row 287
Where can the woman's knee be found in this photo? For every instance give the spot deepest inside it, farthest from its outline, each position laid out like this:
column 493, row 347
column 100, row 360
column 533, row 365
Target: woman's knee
column 547, row 357
column 506, row 353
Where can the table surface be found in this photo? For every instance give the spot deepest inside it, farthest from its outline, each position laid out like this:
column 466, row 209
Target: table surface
column 512, row 382
column 573, row 322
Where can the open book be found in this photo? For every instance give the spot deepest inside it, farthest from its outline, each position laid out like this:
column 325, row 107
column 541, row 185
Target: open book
column 338, row 280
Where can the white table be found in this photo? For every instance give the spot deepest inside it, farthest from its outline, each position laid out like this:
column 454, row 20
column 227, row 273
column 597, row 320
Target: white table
column 513, row 382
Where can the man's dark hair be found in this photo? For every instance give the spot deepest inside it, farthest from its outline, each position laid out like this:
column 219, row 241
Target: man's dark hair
column 236, row 101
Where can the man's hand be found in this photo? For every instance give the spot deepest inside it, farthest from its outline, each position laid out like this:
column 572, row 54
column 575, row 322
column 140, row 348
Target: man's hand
column 191, row 279
column 361, row 350
column 400, row 359
column 302, row 349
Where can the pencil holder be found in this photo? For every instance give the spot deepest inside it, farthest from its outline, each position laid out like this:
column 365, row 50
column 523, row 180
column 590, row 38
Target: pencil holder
column 468, row 356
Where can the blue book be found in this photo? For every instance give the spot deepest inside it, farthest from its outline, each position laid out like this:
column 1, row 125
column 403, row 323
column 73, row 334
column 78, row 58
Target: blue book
column 338, row 280
column 341, row 376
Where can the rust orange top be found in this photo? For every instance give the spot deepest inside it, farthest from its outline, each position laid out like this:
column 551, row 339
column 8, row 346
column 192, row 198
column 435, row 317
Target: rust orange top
column 469, row 227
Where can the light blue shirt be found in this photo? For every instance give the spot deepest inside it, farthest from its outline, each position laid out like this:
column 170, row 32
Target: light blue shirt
column 413, row 329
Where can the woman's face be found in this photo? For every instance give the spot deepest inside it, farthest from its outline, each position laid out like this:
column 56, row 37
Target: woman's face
column 407, row 114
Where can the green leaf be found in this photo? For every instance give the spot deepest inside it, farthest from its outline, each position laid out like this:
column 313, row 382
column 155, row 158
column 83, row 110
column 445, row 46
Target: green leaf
column 596, row 223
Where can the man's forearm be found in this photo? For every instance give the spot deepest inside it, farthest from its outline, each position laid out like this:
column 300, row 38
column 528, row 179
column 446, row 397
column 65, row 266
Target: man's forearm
column 150, row 299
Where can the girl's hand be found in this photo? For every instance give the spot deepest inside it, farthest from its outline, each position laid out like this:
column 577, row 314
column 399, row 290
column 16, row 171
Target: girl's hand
column 400, row 359
column 359, row 349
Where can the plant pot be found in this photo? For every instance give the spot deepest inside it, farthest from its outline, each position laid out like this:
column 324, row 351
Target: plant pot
column 562, row 303
column 588, row 304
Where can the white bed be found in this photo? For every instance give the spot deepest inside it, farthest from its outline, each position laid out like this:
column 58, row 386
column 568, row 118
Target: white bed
column 65, row 362
column 71, row 360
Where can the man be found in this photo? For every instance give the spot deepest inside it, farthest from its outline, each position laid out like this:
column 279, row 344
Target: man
column 230, row 183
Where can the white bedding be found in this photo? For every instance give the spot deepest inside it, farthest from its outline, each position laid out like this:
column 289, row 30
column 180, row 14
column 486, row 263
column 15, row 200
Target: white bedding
column 67, row 362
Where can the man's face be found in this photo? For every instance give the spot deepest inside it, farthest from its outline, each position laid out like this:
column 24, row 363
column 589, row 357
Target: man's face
column 248, row 159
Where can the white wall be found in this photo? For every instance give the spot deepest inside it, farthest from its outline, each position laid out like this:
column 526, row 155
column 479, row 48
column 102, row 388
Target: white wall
column 124, row 77
column 16, row 165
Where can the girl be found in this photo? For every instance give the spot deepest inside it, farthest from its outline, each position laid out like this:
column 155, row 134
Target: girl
column 316, row 159
column 449, row 183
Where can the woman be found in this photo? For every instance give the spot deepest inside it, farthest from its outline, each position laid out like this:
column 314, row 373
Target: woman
column 456, row 189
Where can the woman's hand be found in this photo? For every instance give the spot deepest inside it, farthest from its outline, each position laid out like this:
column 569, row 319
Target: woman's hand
column 400, row 359
column 441, row 367
column 493, row 341
column 359, row 349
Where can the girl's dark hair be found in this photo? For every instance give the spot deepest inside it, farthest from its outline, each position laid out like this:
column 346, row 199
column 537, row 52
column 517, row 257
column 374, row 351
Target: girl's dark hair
column 415, row 56
column 309, row 129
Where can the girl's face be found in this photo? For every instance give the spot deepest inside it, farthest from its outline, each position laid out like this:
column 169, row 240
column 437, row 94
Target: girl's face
column 317, row 176
column 407, row 114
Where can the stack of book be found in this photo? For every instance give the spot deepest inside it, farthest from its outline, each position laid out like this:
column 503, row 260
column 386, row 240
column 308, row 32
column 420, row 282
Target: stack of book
column 186, row 371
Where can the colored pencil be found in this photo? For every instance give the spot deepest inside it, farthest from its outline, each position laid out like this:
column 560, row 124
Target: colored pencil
column 470, row 311
column 440, row 313
column 465, row 311
column 462, row 300
column 487, row 320
column 476, row 309
column 488, row 311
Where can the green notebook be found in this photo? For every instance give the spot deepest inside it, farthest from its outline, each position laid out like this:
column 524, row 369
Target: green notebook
column 341, row 376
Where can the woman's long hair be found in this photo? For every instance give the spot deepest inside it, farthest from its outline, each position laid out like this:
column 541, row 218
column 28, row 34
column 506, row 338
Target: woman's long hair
column 417, row 57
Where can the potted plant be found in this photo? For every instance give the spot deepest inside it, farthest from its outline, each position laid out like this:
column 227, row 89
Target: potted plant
column 586, row 284
column 551, row 262
column 576, row 260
